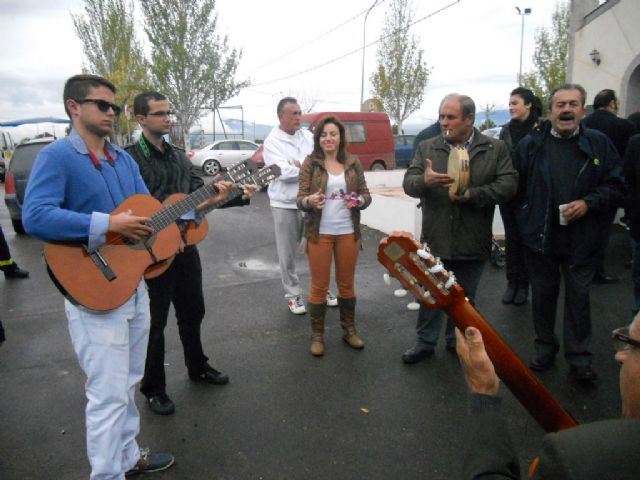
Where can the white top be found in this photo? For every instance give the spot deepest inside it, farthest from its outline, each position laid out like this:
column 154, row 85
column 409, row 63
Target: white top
column 282, row 149
column 336, row 217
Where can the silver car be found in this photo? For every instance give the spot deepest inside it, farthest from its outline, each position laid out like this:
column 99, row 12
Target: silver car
column 221, row 154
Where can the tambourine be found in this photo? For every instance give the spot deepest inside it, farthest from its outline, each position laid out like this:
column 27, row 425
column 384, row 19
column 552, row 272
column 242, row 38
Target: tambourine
column 458, row 168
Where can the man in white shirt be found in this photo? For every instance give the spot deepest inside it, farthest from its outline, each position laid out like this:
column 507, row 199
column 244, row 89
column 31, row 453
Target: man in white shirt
column 287, row 146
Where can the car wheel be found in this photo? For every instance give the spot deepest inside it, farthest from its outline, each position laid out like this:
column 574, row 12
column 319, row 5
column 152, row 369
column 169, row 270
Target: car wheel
column 17, row 226
column 378, row 166
column 211, row 167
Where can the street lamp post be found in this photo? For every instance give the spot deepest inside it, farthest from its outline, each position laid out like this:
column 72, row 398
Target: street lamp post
column 364, row 43
column 522, row 13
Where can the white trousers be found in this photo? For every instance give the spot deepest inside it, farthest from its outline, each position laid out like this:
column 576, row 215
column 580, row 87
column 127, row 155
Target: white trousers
column 111, row 348
column 288, row 227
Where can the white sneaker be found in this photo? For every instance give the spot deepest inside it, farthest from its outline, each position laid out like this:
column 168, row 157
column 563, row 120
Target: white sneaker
column 332, row 301
column 296, row 305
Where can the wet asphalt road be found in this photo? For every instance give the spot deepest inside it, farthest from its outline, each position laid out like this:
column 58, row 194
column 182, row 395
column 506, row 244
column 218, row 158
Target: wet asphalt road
column 285, row 414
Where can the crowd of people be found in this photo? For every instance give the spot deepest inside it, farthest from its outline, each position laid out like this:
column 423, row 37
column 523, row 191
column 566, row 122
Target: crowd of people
column 557, row 183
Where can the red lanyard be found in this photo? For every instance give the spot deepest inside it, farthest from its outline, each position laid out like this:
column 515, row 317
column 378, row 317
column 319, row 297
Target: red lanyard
column 96, row 162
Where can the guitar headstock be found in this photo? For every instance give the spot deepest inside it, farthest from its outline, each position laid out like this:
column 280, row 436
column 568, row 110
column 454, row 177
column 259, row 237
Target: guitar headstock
column 265, row 175
column 418, row 270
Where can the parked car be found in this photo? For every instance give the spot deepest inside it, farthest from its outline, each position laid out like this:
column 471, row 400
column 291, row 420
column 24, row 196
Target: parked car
column 17, row 176
column 369, row 136
column 404, row 149
column 256, row 160
column 492, row 132
column 6, row 150
column 221, row 154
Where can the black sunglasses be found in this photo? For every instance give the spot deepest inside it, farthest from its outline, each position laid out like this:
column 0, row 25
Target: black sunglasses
column 161, row 113
column 102, row 105
column 622, row 340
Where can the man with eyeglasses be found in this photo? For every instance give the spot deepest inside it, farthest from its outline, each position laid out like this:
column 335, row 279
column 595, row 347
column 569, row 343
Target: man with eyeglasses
column 167, row 170
column 75, row 184
column 607, row 449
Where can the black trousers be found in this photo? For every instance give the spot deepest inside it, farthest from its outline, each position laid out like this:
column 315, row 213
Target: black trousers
column 545, row 273
column 181, row 285
column 5, row 254
column 514, row 249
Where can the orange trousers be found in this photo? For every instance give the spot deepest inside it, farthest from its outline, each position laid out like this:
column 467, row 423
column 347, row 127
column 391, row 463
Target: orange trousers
column 345, row 248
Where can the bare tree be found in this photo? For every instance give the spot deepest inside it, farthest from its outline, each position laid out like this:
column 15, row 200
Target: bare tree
column 551, row 55
column 192, row 65
column 402, row 74
column 107, row 32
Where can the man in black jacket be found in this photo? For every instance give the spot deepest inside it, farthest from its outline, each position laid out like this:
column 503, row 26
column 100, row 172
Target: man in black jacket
column 595, row 451
column 619, row 130
column 569, row 179
column 166, row 170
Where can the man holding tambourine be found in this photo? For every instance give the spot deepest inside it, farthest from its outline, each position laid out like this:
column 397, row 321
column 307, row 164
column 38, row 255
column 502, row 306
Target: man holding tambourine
column 460, row 176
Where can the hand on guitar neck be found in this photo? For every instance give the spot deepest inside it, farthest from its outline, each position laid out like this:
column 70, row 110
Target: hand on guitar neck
column 479, row 372
column 130, row 226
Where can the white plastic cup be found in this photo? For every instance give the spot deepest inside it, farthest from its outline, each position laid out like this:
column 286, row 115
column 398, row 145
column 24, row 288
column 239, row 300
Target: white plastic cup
column 563, row 219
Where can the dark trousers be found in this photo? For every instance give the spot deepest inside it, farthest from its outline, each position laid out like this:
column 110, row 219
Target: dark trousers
column 5, row 254
column 545, row 273
column 181, row 285
column 600, row 270
column 467, row 273
column 514, row 249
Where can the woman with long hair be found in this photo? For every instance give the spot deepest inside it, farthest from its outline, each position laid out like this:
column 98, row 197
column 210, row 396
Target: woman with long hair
column 525, row 109
column 332, row 191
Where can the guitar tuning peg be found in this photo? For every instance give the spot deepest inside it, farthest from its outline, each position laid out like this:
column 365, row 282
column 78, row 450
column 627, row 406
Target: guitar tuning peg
column 387, row 279
column 424, row 253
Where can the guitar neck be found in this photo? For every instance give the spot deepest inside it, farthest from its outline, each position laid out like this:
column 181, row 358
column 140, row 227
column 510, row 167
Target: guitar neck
column 173, row 212
column 524, row 385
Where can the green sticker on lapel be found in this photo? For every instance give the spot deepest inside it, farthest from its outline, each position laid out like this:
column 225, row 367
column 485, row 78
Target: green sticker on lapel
column 596, row 162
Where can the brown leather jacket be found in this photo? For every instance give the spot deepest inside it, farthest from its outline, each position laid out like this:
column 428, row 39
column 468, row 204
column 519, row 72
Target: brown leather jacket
column 314, row 177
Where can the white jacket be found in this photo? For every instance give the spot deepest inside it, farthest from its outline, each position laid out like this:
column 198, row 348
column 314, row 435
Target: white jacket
column 282, row 149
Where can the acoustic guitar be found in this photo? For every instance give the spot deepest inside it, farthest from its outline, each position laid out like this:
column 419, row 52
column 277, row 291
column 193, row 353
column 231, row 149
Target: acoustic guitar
column 194, row 233
column 424, row 275
column 106, row 278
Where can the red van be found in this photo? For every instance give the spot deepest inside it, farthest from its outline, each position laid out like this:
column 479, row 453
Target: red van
column 369, row 136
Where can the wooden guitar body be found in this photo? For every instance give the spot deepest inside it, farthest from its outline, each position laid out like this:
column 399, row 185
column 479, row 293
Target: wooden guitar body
column 422, row 274
column 91, row 285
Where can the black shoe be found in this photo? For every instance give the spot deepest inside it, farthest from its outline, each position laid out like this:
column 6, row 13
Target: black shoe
column 541, row 364
column 603, row 278
column 14, row 271
column 416, row 354
column 151, row 462
column 583, row 373
column 210, row 375
column 521, row 296
column 161, row 404
column 509, row 294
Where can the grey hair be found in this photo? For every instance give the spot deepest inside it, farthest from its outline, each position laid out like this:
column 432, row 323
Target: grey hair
column 466, row 103
column 568, row 86
column 283, row 102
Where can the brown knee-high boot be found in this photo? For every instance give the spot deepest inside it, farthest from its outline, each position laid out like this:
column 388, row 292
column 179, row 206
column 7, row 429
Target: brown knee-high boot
column 347, row 320
column 317, row 312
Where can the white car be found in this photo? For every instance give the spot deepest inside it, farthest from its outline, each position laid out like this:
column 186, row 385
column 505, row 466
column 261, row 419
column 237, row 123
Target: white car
column 221, row 154
column 492, row 132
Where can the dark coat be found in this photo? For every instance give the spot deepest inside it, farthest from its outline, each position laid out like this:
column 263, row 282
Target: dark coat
column 619, row 130
column 314, row 177
column 594, row 451
column 462, row 231
column 599, row 183
column 632, row 179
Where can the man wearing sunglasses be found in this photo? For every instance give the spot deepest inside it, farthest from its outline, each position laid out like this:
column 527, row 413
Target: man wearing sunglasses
column 75, row 184
column 598, row 450
column 167, row 170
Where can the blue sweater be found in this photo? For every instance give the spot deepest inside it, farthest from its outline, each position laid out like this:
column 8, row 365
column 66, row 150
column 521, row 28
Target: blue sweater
column 68, row 198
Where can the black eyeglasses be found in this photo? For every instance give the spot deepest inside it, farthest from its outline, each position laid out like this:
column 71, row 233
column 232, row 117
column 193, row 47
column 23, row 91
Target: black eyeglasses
column 161, row 113
column 102, row 105
column 622, row 340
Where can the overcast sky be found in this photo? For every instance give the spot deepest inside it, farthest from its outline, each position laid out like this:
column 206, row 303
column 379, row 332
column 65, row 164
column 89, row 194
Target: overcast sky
column 473, row 47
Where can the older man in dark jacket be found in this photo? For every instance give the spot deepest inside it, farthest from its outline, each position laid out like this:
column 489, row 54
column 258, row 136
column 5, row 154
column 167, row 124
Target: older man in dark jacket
column 457, row 227
column 570, row 176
